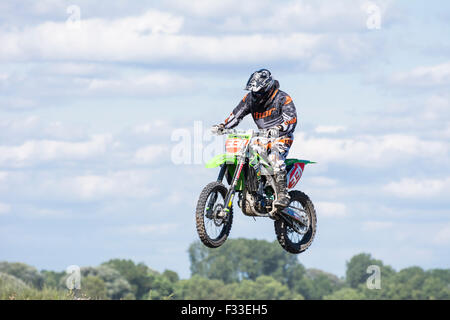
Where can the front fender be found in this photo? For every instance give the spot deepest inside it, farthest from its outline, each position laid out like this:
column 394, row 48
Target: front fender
column 221, row 159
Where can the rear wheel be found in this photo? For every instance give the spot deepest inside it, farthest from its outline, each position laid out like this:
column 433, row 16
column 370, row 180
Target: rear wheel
column 212, row 228
column 295, row 237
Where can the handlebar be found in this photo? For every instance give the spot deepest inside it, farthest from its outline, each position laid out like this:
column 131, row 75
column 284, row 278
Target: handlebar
column 252, row 132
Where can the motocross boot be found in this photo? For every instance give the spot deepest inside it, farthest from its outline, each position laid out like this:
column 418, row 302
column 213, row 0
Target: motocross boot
column 283, row 198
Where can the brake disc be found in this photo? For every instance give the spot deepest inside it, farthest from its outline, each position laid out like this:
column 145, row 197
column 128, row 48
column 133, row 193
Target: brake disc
column 218, row 210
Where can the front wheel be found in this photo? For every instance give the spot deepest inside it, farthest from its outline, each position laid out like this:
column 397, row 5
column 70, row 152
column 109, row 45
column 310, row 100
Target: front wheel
column 213, row 229
column 296, row 237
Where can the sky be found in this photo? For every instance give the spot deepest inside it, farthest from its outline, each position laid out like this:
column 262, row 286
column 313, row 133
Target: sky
column 96, row 97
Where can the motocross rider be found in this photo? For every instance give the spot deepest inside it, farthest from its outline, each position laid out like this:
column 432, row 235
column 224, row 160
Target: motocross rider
column 274, row 110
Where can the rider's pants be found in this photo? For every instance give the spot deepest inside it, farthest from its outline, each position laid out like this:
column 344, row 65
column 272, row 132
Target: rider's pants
column 276, row 152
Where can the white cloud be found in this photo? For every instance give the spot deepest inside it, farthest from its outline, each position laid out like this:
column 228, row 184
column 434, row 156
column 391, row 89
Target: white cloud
column 157, row 36
column 128, row 184
column 17, row 103
column 73, row 69
column 151, row 153
column 150, row 229
column 37, row 151
column 418, row 188
column 148, row 84
column 323, row 181
column 3, row 175
column 22, row 129
column 437, row 108
column 367, row 150
column 4, row 77
column 424, row 76
column 376, row 225
column 269, row 16
column 330, row 129
column 442, row 237
column 330, row 209
column 151, row 127
column 4, row 208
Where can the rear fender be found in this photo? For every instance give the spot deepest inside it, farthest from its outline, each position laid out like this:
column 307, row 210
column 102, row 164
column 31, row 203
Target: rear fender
column 294, row 168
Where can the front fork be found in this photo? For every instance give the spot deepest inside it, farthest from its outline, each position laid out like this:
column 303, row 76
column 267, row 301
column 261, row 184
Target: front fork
column 232, row 190
column 212, row 200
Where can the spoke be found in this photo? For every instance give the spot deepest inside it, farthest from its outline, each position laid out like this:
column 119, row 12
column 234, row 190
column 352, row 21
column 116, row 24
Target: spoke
column 296, row 208
column 210, row 225
column 293, row 235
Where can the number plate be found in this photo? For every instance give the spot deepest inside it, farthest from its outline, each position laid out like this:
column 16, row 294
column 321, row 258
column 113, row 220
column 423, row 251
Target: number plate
column 234, row 145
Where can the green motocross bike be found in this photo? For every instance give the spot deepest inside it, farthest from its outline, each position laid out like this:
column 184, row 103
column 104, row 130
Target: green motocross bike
column 248, row 174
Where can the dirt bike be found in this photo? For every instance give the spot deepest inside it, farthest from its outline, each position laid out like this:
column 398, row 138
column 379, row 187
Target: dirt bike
column 249, row 175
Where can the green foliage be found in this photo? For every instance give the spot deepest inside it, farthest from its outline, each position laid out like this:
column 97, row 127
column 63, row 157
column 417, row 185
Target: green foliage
column 317, row 284
column 345, row 294
column 263, row 288
column 13, row 288
column 161, row 287
column 240, row 270
column 26, row 273
column 52, row 279
column 441, row 274
column 357, row 269
column 243, row 259
column 137, row 275
column 172, row 276
column 199, row 288
column 94, row 288
column 10, row 284
column 411, row 283
column 117, row 287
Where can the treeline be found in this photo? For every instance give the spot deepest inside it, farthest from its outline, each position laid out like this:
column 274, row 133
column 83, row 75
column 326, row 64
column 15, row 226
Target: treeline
column 240, row 269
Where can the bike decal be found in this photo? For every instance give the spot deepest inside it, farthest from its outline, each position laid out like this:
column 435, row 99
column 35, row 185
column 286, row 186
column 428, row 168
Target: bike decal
column 293, row 214
column 294, row 175
column 234, row 145
column 239, row 170
column 231, row 201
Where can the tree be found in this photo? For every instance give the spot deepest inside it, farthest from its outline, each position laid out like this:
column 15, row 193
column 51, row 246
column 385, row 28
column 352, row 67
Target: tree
column 137, row 275
column 199, row 288
column 94, row 288
column 356, row 273
column 52, row 278
column 14, row 288
column 441, row 274
column 263, row 288
column 240, row 259
column 434, row 289
column 161, row 288
column 345, row 294
column 26, row 273
column 117, row 286
column 10, row 285
column 316, row 284
column 172, row 276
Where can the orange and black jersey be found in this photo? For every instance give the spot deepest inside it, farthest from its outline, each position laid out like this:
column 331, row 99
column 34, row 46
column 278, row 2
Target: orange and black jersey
column 278, row 109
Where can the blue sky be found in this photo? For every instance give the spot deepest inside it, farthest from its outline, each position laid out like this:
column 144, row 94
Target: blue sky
column 88, row 108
